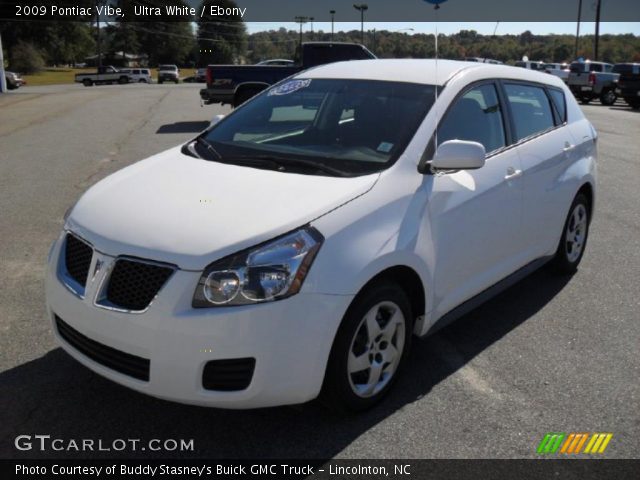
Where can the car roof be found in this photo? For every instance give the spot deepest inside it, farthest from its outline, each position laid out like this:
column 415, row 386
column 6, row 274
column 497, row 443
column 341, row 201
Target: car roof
column 422, row 71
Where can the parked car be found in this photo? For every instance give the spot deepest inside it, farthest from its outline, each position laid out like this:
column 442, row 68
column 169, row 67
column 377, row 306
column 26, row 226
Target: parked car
column 628, row 83
column 105, row 75
column 295, row 247
column 168, row 73
column 590, row 80
column 483, row 60
column 560, row 70
column 277, row 61
column 138, row 75
column 531, row 65
column 14, row 80
column 201, row 75
column 235, row 84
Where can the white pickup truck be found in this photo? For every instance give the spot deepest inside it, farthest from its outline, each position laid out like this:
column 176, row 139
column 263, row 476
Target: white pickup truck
column 104, row 75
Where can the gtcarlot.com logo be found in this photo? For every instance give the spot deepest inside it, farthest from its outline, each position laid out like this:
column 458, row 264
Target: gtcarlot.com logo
column 573, row 443
column 47, row 443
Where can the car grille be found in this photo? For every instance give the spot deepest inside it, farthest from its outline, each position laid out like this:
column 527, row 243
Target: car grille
column 228, row 375
column 77, row 257
column 122, row 362
column 134, row 284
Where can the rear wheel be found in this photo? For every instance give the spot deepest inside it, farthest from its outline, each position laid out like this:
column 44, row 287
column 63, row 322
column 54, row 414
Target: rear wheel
column 87, row 82
column 608, row 97
column 369, row 350
column 123, row 80
column 574, row 237
column 633, row 102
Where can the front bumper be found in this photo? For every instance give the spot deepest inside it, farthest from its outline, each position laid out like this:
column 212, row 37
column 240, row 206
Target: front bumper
column 290, row 339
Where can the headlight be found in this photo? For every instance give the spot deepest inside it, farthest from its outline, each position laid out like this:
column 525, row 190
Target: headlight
column 271, row 271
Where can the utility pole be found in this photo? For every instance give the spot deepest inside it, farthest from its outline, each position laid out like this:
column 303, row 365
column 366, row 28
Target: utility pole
column 301, row 21
column 333, row 16
column 575, row 56
column 98, row 40
column 3, row 80
column 597, row 41
column 362, row 7
column 311, row 20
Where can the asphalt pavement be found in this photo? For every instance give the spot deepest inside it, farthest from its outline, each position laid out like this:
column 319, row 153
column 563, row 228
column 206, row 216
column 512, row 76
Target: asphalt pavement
column 549, row 355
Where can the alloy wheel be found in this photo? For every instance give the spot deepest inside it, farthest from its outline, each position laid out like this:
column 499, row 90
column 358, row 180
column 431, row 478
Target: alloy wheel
column 376, row 349
column 576, row 233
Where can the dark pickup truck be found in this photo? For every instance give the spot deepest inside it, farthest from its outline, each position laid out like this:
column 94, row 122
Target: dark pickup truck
column 629, row 83
column 235, row 84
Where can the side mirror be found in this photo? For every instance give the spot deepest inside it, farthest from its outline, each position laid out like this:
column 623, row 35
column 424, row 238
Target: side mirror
column 216, row 119
column 459, row 155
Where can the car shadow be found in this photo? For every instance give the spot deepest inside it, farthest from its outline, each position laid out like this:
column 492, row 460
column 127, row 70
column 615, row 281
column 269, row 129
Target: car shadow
column 55, row 395
column 183, row 127
column 625, row 108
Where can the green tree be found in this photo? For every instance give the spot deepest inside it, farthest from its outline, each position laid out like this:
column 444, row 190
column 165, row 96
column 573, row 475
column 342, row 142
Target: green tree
column 25, row 58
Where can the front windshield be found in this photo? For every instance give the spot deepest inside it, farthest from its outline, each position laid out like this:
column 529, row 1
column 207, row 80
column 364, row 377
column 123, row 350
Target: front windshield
column 354, row 126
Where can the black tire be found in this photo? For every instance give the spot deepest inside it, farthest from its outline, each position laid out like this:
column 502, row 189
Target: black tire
column 585, row 99
column 160, row 82
column 123, row 80
column 87, row 82
column 244, row 95
column 608, row 97
column 565, row 261
column 142, row 80
column 177, row 81
column 11, row 86
column 338, row 389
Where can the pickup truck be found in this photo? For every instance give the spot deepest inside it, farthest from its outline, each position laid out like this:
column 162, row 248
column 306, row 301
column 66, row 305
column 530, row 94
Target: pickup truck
column 629, row 83
column 235, row 84
column 590, row 80
column 104, row 75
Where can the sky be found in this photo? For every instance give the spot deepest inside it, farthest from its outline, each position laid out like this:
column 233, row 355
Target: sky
column 484, row 28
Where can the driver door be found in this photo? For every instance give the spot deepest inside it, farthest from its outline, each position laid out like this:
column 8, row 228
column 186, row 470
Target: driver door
column 476, row 215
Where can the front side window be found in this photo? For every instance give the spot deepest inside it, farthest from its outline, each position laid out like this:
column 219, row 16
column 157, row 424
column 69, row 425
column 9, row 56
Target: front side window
column 531, row 109
column 476, row 117
column 356, row 126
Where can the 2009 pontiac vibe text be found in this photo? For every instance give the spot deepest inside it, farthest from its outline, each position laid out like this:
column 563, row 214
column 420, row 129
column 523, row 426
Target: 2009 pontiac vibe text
column 295, row 247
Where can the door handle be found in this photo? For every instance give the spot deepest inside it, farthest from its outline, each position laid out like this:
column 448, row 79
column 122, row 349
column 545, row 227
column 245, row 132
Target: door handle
column 512, row 173
column 568, row 147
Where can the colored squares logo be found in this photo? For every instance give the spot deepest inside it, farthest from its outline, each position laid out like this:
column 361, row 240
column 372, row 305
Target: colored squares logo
column 574, row 443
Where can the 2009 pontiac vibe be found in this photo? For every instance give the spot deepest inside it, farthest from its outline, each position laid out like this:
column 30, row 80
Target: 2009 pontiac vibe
column 295, row 247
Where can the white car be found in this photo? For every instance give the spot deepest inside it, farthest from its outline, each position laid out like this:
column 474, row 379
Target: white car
column 296, row 247
column 560, row 70
column 138, row 75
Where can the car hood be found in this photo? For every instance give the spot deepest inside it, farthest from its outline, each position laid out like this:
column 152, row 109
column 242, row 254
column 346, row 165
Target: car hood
column 190, row 212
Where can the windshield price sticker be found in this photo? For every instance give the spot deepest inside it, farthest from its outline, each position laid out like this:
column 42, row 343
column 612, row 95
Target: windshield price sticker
column 290, row 87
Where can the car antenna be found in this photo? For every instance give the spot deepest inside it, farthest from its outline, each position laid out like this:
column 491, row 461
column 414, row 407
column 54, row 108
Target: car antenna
column 436, row 4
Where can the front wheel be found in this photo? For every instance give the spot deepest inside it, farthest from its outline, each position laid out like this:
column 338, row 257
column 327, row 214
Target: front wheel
column 87, row 82
column 369, row 350
column 574, row 237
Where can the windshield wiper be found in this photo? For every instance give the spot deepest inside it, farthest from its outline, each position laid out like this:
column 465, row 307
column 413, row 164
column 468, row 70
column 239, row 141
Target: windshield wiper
column 283, row 162
column 209, row 147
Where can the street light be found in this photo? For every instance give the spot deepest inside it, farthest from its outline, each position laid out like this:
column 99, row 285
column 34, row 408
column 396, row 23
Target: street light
column 333, row 14
column 362, row 7
column 301, row 21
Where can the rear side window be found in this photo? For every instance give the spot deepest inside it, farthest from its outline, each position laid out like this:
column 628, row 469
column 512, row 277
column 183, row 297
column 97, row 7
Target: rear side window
column 531, row 109
column 559, row 102
column 476, row 116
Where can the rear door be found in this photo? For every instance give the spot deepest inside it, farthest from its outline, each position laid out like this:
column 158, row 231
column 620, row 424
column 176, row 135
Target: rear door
column 547, row 149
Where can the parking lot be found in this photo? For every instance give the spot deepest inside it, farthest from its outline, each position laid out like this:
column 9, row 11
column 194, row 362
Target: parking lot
column 549, row 355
